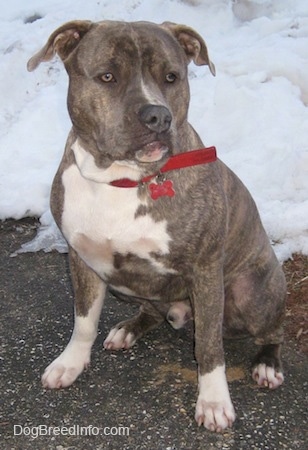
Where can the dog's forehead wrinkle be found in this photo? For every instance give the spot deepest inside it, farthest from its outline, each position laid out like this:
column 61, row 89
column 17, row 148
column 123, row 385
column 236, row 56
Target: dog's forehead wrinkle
column 135, row 41
column 109, row 45
column 127, row 50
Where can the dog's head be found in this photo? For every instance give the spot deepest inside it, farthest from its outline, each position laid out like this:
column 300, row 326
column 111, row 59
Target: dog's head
column 128, row 91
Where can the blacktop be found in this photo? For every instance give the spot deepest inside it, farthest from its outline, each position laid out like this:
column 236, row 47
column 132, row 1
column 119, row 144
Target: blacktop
column 142, row 398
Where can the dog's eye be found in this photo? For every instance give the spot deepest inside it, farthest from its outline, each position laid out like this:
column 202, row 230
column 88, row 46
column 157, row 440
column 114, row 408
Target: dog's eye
column 107, row 77
column 171, row 77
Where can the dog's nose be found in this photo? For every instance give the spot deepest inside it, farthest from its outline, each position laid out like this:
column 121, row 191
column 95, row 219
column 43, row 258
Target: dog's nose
column 157, row 118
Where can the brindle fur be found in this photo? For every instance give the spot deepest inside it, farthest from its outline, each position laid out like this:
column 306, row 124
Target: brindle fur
column 221, row 257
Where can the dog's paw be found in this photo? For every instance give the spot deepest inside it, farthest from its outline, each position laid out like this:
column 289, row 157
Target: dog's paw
column 179, row 314
column 215, row 416
column 64, row 370
column 267, row 376
column 119, row 338
column 214, row 407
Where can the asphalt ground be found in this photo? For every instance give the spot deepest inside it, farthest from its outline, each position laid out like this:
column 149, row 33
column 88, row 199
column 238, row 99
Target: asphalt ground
column 142, row 398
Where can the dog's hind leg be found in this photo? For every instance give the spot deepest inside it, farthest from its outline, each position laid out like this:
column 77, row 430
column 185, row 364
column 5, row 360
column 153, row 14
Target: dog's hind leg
column 267, row 366
column 89, row 296
column 256, row 303
column 126, row 333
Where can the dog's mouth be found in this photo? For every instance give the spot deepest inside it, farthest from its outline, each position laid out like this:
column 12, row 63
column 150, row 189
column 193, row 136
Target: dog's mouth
column 152, row 152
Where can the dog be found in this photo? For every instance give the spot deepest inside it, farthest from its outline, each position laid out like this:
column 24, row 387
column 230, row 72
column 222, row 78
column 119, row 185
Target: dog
column 152, row 214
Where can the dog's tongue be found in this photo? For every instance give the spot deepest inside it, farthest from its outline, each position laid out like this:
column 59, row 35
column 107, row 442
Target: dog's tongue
column 152, row 152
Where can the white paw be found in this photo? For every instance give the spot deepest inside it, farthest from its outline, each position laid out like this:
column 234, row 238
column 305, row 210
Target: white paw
column 119, row 338
column 179, row 314
column 215, row 416
column 267, row 376
column 64, row 370
column 214, row 408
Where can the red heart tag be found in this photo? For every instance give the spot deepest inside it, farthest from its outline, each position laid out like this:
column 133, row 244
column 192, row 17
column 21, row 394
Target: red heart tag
column 161, row 189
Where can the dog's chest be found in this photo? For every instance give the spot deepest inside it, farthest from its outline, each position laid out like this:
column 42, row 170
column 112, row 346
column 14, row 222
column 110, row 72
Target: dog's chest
column 100, row 221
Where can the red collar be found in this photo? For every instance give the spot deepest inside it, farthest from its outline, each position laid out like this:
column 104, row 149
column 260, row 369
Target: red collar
column 180, row 161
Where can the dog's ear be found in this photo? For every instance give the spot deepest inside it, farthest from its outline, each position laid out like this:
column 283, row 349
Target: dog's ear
column 192, row 43
column 62, row 41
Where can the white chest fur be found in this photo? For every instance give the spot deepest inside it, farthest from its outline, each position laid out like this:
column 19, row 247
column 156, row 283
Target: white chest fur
column 100, row 220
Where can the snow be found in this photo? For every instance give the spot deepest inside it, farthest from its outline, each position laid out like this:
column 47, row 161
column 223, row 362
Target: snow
column 254, row 111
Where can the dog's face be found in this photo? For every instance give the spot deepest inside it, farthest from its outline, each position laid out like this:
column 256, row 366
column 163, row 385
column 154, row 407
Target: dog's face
column 133, row 75
column 117, row 81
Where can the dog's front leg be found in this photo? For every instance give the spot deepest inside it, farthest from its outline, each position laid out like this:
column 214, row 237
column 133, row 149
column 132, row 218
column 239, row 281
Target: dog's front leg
column 214, row 408
column 89, row 296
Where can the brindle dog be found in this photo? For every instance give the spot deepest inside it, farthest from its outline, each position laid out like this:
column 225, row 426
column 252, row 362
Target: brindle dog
column 204, row 247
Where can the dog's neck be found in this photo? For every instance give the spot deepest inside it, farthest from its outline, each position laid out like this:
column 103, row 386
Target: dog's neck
column 161, row 186
column 125, row 174
column 179, row 161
